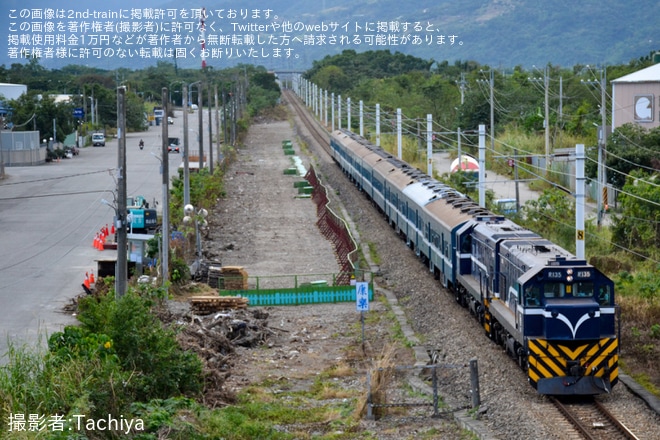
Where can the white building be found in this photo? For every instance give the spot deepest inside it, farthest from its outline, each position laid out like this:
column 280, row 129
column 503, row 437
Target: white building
column 636, row 98
column 12, row 91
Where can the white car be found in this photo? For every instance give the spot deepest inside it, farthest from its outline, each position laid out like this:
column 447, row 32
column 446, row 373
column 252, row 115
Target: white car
column 98, row 139
column 170, row 120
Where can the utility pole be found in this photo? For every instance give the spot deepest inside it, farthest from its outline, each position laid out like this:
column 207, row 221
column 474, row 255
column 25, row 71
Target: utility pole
column 225, row 129
column 2, row 159
column 492, row 111
column 208, row 90
column 121, row 269
column 200, row 114
column 602, row 148
column 186, row 150
column 546, row 120
column 217, row 119
column 166, row 198
column 602, row 142
column 461, row 85
column 515, row 177
column 491, row 86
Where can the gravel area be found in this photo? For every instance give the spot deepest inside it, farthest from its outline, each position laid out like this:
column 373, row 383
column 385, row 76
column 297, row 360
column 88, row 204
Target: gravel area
column 263, row 227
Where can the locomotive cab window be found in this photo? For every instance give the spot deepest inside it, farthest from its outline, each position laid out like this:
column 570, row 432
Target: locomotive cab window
column 532, row 296
column 554, row 290
column 604, row 295
column 583, row 290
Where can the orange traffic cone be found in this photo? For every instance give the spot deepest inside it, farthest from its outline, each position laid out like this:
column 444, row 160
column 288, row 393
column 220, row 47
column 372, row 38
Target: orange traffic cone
column 96, row 241
column 86, row 282
column 112, row 231
column 91, row 278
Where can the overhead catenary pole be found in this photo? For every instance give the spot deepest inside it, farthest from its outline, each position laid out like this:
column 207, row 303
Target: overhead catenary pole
column 361, row 118
column 482, row 165
column 460, row 159
column 121, row 269
column 332, row 118
column 579, row 201
column 378, row 125
column 399, row 140
column 429, row 144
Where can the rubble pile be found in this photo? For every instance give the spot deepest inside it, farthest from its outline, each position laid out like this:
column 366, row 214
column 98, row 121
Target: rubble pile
column 214, row 337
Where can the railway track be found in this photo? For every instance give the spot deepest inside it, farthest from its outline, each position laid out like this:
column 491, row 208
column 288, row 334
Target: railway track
column 592, row 420
column 316, row 130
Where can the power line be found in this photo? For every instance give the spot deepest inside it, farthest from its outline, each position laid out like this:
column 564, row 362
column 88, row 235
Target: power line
column 59, row 177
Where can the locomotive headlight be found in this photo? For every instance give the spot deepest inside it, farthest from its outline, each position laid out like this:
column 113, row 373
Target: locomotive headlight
column 569, row 271
column 569, row 278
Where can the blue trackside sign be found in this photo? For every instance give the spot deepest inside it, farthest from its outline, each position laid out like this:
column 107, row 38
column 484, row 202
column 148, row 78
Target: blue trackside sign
column 362, row 296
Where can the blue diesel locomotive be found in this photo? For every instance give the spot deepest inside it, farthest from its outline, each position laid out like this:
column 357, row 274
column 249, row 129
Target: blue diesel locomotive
column 554, row 314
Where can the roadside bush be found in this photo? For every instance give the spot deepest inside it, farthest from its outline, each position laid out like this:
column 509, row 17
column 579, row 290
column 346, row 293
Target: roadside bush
column 144, row 347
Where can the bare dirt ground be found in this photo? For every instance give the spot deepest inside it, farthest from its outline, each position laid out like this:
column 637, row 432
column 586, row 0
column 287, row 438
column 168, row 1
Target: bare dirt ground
column 262, row 226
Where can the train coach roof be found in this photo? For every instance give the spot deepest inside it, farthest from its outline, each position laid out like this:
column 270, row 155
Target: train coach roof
column 354, row 144
column 426, row 190
column 447, row 213
column 375, row 156
column 396, row 172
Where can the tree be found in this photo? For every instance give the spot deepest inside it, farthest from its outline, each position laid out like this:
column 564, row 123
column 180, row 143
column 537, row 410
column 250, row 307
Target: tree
column 630, row 147
column 33, row 111
column 547, row 217
column 637, row 226
column 332, row 78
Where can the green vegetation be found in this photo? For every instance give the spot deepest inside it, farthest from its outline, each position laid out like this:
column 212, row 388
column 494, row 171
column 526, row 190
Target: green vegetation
column 118, row 356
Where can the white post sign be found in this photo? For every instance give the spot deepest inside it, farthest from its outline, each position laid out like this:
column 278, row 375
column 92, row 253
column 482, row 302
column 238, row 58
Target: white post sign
column 362, row 296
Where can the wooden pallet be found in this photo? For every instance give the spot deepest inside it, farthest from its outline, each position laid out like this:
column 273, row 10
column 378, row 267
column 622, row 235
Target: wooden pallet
column 210, row 304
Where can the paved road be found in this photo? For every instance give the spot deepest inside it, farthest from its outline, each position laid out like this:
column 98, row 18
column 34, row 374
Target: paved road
column 49, row 215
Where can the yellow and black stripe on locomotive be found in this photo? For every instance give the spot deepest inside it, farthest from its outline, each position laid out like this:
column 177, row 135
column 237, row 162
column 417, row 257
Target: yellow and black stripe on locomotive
column 573, row 367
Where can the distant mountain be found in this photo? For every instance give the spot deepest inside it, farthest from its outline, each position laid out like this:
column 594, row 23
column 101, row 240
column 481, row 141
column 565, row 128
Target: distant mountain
column 502, row 33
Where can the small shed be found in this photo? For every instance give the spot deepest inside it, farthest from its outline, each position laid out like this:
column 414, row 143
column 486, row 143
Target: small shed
column 466, row 163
